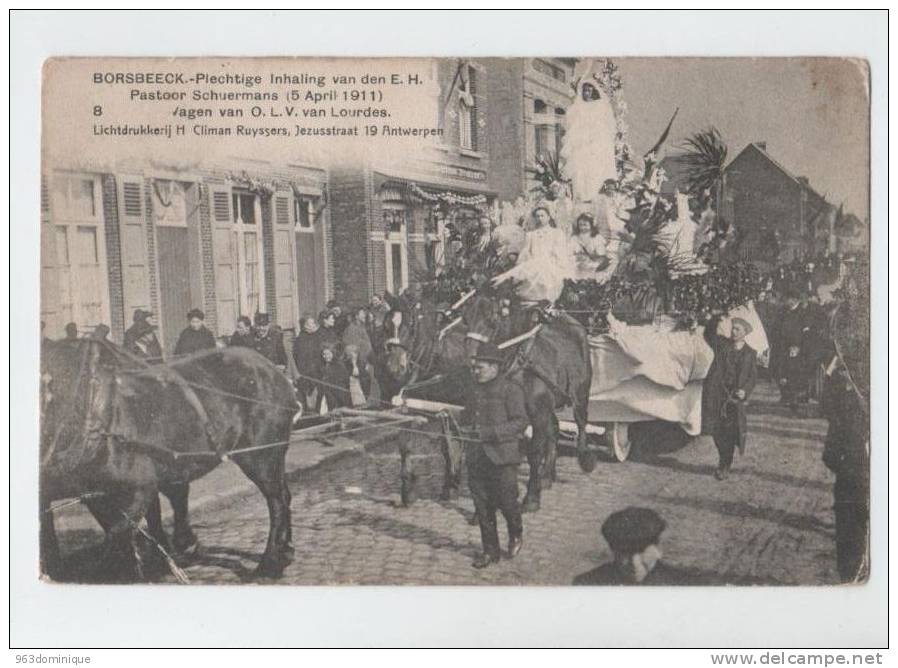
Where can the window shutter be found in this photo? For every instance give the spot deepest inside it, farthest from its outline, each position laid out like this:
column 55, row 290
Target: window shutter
column 282, row 209
column 133, row 239
column 224, row 258
column 45, row 198
column 284, row 262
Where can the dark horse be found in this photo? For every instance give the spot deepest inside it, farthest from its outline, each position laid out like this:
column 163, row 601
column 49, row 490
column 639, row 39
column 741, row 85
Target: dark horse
column 115, row 432
column 430, row 364
column 555, row 368
column 558, row 371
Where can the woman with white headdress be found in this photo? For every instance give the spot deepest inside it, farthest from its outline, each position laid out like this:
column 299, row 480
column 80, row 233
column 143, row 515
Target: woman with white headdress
column 589, row 140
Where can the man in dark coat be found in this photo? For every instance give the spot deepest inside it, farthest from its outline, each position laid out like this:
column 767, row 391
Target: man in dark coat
column 140, row 337
column 634, row 534
column 498, row 416
column 356, row 334
column 71, row 332
column 268, row 341
column 334, row 384
column 195, row 336
column 726, row 389
column 243, row 334
column 790, row 360
column 846, row 454
column 307, row 357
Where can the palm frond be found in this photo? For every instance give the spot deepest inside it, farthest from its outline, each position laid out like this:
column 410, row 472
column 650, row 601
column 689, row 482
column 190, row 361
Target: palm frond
column 705, row 158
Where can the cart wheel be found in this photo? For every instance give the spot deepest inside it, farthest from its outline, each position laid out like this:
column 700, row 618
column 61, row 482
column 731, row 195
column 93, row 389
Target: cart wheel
column 619, row 440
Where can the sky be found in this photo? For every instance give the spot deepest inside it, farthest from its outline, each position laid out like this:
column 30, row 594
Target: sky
column 812, row 112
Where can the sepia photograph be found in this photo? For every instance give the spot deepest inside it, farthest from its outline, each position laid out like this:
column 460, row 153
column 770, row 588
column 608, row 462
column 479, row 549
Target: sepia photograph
column 561, row 328
column 545, row 321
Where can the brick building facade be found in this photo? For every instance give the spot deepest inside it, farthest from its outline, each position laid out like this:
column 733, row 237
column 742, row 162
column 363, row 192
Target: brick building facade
column 391, row 218
column 527, row 119
column 233, row 241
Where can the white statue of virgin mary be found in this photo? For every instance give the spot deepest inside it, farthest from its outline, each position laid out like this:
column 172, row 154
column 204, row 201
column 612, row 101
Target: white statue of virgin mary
column 588, row 149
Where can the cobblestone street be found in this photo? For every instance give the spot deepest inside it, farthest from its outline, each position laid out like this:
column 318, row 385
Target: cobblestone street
column 771, row 521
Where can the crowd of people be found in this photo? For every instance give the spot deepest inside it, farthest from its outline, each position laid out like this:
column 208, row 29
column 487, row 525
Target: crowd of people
column 333, row 353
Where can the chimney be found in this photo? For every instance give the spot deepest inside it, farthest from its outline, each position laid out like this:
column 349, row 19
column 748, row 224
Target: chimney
column 761, row 145
column 803, row 180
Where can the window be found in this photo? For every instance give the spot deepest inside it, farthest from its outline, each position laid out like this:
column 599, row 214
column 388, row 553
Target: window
column 62, row 246
column 245, row 211
column 467, row 109
column 75, row 201
column 548, row 127
column 394, row 220
column 303, row 213
column 544, row 140
column 396, row 253
column 559, row 129
column 76, row 197
column 549, row 69
column 244, row 208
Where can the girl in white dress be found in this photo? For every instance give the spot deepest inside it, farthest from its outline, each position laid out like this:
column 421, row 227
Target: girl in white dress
column 589, row 249
column 544, row 261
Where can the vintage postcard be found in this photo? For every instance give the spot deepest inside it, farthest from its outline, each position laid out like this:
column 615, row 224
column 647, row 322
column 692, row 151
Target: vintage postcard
column 455, row 321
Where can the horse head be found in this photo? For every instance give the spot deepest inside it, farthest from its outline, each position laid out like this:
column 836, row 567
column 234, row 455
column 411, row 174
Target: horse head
column 480, row 316
column 79, row 384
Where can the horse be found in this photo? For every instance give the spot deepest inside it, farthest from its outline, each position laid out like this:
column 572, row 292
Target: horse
column 115, row 432
column 433, row 365
column 428, row 364
column 553, row 363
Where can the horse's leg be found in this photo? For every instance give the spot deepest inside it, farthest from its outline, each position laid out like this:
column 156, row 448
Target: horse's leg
column 407, row 477
column 266, row 469
column 154, row 524
column 119, row 516
column 549, row 473
column 531, row 499
column 49, row 545
column 184, row 541
column 542, row 418
column 585, row 457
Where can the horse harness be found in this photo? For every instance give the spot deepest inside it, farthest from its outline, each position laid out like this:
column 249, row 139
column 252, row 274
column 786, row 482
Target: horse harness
column 523, row 361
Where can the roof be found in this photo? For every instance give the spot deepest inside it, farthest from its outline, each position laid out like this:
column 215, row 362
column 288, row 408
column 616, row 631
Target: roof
column 786, row 172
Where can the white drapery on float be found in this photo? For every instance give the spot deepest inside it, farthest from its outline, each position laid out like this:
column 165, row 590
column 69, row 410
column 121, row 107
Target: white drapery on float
column 641, row 373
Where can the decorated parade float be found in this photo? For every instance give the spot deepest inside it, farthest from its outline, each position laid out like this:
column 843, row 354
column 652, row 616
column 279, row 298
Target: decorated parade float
column 596, row 240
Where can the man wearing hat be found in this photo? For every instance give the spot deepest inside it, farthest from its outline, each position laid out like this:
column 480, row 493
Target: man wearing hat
column 726, row 389
column 634, row 534
column 140, row 337
column 789, row 358
column 269, row 341
column 497, row 417
column 195, row 336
